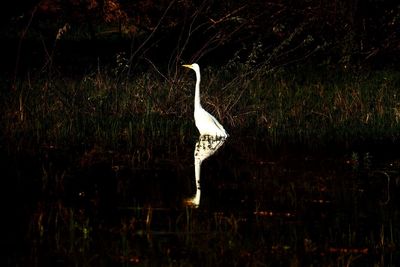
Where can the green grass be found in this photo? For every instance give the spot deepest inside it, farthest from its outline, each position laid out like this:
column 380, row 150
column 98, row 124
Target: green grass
column 296, row 106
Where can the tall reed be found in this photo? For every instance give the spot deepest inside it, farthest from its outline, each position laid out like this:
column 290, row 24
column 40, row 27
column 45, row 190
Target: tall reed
column 300, row 106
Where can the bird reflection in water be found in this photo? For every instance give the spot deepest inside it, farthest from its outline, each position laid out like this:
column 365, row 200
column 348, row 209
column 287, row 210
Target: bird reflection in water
column 204, row 148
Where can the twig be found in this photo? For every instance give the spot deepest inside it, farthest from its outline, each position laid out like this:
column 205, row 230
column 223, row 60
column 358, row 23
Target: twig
column 214, row 22
column 151, row 34
column 157, row 70
column 20, row 45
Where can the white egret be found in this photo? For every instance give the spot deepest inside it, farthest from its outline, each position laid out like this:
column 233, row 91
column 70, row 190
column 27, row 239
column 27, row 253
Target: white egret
column 206, row 123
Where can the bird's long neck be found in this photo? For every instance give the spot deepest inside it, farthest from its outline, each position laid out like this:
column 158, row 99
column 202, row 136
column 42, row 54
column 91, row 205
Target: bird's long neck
column 197, row 92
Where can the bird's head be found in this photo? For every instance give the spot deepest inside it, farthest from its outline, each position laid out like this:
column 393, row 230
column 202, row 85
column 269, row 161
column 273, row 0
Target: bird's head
column 193, row 66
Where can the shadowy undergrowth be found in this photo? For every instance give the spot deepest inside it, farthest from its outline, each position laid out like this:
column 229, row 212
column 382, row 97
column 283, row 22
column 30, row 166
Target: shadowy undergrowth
column 308, row 106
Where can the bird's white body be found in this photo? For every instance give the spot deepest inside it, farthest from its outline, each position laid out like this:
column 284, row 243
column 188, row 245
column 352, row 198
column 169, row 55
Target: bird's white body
column 206, row 123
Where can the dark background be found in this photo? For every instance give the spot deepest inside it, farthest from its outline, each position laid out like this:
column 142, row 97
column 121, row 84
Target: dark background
column 76, row 35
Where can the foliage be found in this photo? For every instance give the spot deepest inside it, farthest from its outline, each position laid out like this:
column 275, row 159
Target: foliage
column 287, row 32
column 293, row 70
column 298, row 106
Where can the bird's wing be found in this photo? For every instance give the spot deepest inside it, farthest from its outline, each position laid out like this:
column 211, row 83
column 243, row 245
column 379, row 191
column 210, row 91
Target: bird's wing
column 216, row 122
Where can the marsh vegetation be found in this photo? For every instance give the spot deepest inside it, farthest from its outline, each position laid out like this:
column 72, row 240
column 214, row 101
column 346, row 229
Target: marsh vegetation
column 100, row 154
column 304, row 106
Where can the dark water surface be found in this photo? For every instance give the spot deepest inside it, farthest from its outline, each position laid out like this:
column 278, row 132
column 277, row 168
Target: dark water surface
column 256, row 206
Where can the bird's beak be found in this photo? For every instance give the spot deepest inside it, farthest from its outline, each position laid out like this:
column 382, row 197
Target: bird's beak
column 187, row 66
